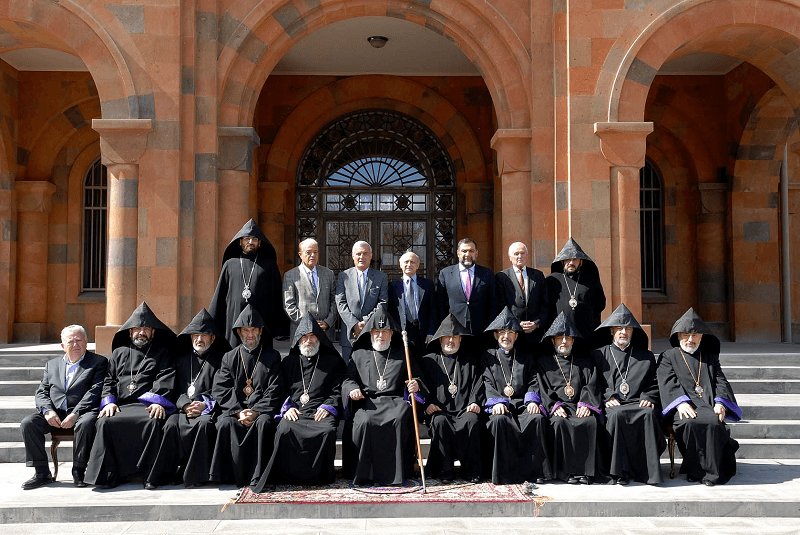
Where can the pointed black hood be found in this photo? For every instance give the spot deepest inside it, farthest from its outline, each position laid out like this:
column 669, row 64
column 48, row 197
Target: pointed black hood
column 308, row 324
column 250, row 318
column 562, row 325
column 621, row 317
column 504, row 320
column 379, row 319
column 143, row 317
column 571, row 249
column 691, row 322
column 202, row 323
column 450, row 326
column 265, row 250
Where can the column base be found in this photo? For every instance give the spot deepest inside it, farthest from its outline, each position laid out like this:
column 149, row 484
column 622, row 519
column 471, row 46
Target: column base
column 103, row 335
column 29, row 332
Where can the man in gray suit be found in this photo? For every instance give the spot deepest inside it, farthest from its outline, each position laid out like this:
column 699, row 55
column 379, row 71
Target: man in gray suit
column 358, row 291
column 310, row 288
column 67, row 398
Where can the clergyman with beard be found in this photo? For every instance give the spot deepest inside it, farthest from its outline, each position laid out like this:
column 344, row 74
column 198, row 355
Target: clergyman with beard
column 305, row 440
column 249, row 391
column 633, row 440
column 698, row 398
column 189, row 434
column 453, row 410
column 137, row 396
column 378, row 440
column 569, row 386
column 516, row 424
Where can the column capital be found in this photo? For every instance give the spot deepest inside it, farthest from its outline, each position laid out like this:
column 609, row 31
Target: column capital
column 34, row 196
column 623, row 144
column 513, row 147
column 236, row 144
column 122, row 141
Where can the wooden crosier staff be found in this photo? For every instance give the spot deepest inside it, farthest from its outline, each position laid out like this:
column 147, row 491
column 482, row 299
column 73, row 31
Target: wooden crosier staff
column 414, row 410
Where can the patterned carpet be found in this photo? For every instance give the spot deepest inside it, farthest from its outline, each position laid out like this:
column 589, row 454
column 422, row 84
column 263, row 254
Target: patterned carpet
column 343, row 492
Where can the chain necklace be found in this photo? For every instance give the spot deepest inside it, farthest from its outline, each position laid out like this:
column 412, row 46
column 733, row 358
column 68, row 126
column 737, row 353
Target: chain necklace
column 191, row 390
column 246, row 293
column 697, row 388
column 568, row 390
column 131, row 387
column 305, row 398
column 508, row 390
column 573, row 302
column 381, row 384
column 453, row 389
column 248, row 389
column 624, row 387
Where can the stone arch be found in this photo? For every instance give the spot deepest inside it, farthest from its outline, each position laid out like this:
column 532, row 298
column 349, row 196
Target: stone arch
column 263, row 34
column 761, row 33
column 755, row 222
column 386, row 92
column 88, row 39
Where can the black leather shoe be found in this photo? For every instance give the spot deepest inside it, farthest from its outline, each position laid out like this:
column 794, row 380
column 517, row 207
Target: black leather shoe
column 111, row 483
column 572, row 480
column 708, row 483
column 77, row 478
column 37, row 481
column 149, row 486
column 540, row 481
column 623, row 481
column 692, row 479
column 476, row 479
column 583, row 480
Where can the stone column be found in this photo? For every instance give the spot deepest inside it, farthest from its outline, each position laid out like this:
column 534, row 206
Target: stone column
column 236, row 146
column 122, row 143
column 624, row 146
column 34, row 203
column 272, row 202
column 8, row 256
column 513, row 147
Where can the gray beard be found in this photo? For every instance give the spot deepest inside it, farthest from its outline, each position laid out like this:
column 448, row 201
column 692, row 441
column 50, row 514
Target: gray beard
column 622, row 347
column 249, row 348
column 377, row 346
column 309, row 352
column 690, row 351
column 139, row 343
column 564, row 352
column 447, row 352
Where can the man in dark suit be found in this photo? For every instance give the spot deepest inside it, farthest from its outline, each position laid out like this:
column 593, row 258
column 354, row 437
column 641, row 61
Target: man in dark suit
column 523, row 290
column 67, row 397
column 310, row 289
column 358, row 291
column 468, row 290
column 412, row 304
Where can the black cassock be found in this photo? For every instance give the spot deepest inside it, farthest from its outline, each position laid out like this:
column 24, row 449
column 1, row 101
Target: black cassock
column 518, row 441
column 379, row 443
column 266, row 298
column 573, row 449
column 127, row 442
column 241, row 453
column 187, row 443
column 634, row 440
column 305, row 449
column 455, row 433
column 705, row 443
column 589, row 294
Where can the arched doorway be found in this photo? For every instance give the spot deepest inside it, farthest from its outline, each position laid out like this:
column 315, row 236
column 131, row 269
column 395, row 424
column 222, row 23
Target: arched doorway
column 383, row 177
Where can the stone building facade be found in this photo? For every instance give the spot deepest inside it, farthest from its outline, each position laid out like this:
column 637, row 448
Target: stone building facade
column 661, row 135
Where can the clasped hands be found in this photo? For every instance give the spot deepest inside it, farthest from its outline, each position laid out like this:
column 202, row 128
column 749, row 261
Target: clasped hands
column 412, row 385
column 54, row 421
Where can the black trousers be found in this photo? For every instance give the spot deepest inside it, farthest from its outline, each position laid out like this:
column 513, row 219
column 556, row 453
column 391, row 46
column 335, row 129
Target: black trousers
column 35, row 427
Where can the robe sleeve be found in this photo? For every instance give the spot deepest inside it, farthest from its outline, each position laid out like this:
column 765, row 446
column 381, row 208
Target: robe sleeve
column 224, row 385
column 416, row 373
column 532, row 394
column 163, row 385
column 352, row 381
column 108, row 394
column 493, row 396
column 477, row 394
column 670, row 389
column 91, row 398
column 333, row 403
column 650, row 384
column 590, row 393
column 218, row 307
column 274, row 392
column 605, row 377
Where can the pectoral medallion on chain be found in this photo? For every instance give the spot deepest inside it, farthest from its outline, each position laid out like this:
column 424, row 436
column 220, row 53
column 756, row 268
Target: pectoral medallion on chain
column 569, row 391
column 573, row 303
column 190, row 391
column 381, row 384
column 453, row 389
column 508, row 390
column 699, row 390
column 247, row 294
column 248, row 388
column 305, row 398
column 624, row 388
column 131, row 386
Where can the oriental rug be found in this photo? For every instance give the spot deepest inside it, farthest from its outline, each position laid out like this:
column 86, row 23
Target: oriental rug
column 344, row 492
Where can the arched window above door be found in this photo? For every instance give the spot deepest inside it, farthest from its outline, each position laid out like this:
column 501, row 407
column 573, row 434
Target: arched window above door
column 383, row 177
column 95, row 228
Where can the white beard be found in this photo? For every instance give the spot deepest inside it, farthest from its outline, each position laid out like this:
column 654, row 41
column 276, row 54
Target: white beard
column 381, row 346
column 309, row 351
column 688, row 350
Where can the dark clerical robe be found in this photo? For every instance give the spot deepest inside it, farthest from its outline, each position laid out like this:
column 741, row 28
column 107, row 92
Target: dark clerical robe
column 518, row 440
column 455, row 433
column 380, row 448
column 241, row 453
column 188, row 443
column 305, row 449
column 574, row 447
column 705, row 443
column 634, row 438
column 127, row 442
column 585, row 287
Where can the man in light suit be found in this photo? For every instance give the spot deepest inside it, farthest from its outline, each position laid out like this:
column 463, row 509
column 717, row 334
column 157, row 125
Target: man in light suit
column 468, row 290
column 523, row 290
column 358, row 291
column 67, row 397
column 310, row 288
column 412, row 304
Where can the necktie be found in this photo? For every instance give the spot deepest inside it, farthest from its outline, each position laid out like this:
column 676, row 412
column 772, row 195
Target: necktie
column 361, row 285
column 521, row 282
column 313, row 284
column 468, row 289
column 411, row 301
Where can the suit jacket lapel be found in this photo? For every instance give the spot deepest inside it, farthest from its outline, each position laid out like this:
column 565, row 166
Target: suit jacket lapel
column 61, row 372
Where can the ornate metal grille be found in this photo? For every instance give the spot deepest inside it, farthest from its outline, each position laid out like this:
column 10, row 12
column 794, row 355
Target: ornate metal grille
column 378, row 174
column 651, row 228
column 95, row 237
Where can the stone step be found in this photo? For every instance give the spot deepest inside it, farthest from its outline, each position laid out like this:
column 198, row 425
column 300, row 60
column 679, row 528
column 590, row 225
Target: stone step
column 22, row 373
column 769, row 406
column 771, row 429
column 761, row 372
column 760, row 386
column 18, row 387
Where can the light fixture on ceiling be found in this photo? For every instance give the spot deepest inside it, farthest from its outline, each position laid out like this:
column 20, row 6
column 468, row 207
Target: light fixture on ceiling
column 377, row 41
